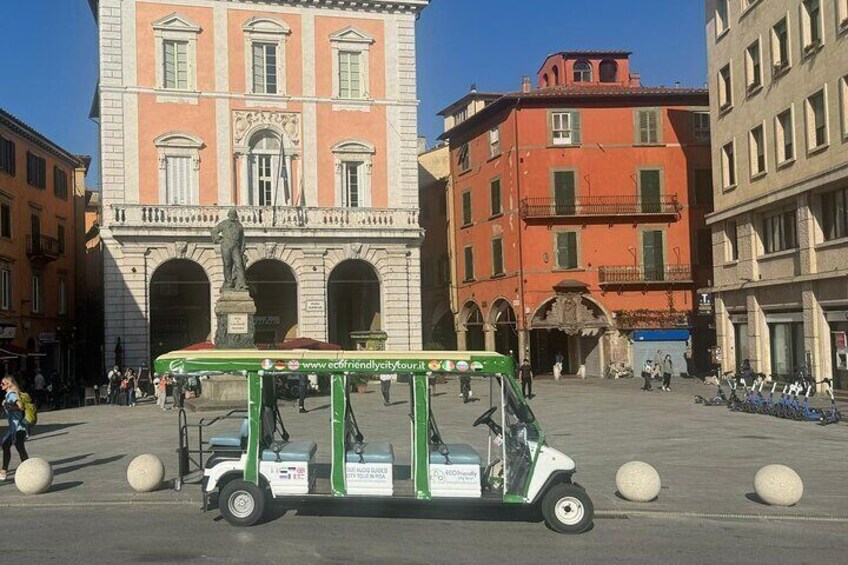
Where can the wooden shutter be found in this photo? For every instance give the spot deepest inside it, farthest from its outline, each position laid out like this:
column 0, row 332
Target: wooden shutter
column 653, row 256
column 576, row 129
column 564, row 193
column 469, row 264
column 649, row 191
column 567, row 250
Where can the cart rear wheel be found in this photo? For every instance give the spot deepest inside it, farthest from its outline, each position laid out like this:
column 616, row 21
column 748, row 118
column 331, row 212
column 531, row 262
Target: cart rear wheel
column 241, row 503
column 567, row 509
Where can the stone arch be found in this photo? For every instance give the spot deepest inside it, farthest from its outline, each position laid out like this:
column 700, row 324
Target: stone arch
column 275, row 291
column 180, row 313
column 354, row 300
column 503, row 321
column 471, row 321
column 608, row 71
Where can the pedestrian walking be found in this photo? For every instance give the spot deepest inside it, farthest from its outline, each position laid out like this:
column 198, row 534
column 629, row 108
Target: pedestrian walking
column 385, row 387
column 302, row 383
column 525, row 373
column 558, row 366
column 114, row 378
column 18, row 430
column 161, row 384
column 647, row 372
column 465, row 388
column 132, row 382
column 667, row 368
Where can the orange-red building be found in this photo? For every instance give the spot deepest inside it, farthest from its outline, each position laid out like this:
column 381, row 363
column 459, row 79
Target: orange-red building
column 39, row 186
column 579, row 223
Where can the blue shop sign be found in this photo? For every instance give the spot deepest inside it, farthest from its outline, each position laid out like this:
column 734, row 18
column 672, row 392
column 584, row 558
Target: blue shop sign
column 661, row 335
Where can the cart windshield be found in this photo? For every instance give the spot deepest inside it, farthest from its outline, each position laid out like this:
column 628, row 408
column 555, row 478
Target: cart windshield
column 519, row 431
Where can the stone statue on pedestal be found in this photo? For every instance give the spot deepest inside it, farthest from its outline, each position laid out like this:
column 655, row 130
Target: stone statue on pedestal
column 229, row 234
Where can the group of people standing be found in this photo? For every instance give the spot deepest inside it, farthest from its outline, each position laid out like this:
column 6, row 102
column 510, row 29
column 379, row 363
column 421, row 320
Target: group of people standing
column 660, row 366
column 122, row 388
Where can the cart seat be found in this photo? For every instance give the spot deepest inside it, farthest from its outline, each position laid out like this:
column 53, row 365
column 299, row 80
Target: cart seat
column 233, row 440
column 292, row 451
column 458, row 454
column 372, row 452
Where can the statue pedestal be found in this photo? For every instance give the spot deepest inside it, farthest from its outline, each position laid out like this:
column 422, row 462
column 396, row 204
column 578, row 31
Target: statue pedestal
column 235, row 310
column 225, row 388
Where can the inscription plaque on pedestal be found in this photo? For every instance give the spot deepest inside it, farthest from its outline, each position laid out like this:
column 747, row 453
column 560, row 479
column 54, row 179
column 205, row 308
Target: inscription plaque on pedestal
column 237, row 324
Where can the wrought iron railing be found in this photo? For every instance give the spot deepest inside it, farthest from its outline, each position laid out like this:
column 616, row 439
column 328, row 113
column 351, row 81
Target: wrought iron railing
column 611, row 205
column 633, row 274
column 42, row 246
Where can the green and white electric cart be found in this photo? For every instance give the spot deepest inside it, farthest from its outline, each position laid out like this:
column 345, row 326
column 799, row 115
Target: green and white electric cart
column 260, row 462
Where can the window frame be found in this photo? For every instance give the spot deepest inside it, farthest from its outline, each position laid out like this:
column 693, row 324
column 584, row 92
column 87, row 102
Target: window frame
column 498, row 258
column 590, row 70
column 811, row 42
column 731, row 234
column 756, row 151
column 787, row 240
column 493, row 211
column 721, row 30
column 6, row 231
column 556, row 240
column 754, row 68
column 37, row 288
column 780, row 131
column 728, row 169
column 811, row 127
column 36, row 170
column 644, row 207
column 832, row 220
column 725, row 88
column 780, row 66
column 468, row 263
column 266, row 31
column 176, row 27
column 637, row 126
column 354, row 151
column 8, row 156
column 575, row 128
column 179, row 145
column 467, row 211
column 494, row 142
column 352, row 40
column 60, row 183
column 698, row 130
column 566, row 209
column 5, row 288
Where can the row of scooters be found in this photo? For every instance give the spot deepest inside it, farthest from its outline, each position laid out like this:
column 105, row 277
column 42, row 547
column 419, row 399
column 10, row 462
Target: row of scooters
column 793, row 403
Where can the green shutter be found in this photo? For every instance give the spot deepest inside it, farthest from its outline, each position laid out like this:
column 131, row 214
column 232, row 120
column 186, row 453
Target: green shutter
column 649, row 191
column 466, row 208
column 564, row 193
column 469, row 263
column 653, row 257
column 566, row 250
column 495, row 190
column 576, row 129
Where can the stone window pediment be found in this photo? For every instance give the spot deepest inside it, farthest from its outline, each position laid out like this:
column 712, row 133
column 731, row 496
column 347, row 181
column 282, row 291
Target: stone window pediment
column 351, row 63
column 176, row 22
column 266, row 26
column 179, row 167
column 265, row 55
column 176, row 53
column 353, row 163
column 352, row 35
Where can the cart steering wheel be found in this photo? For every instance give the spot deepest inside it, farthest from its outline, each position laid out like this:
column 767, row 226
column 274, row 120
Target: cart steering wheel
column 485, row 417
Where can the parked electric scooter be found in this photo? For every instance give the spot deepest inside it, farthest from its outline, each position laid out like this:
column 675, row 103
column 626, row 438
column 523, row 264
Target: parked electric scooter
column 807, row 412
column 832, row 416
column 768, row 404
column 720, row 399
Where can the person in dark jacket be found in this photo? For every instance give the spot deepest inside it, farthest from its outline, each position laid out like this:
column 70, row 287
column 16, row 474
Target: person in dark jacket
column 525, row 373
column 667, row 368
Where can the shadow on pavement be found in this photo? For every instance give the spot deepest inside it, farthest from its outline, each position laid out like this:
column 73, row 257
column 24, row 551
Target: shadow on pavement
column 64, row 486
column 40, row 429
column 752, row 496
column 38, row 437
column 104, row 461
column 71, row 459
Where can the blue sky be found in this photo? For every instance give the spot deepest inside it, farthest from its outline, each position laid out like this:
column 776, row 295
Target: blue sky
column 50, row 68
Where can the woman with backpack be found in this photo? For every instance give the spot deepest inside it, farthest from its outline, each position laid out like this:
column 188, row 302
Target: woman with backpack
column 18, row 429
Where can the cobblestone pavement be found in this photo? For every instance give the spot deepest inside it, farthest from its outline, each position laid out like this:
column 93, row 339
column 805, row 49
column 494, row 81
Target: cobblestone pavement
column 706, row 456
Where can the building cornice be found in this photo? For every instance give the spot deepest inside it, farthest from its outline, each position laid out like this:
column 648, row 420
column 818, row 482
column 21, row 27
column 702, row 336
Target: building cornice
column 41, row 141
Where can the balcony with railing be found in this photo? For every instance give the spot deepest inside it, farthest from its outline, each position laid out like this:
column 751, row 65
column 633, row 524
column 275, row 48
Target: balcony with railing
column 624, row 275
column 621, row 208
column 42, row 249
column 187, row 218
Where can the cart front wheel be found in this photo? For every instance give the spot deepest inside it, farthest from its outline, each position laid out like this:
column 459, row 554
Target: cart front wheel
column 567, row 509
column 241, row 503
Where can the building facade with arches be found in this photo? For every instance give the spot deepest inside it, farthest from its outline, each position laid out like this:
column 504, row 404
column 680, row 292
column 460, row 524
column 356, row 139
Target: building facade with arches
column 300, row 116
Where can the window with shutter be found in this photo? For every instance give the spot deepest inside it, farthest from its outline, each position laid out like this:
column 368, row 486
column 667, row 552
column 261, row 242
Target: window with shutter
column 466, row 208
column 352, row 184
column 178, row 179
column 5, row 289
column 469, row 263
column 653, row 255
column 650, row 191
column 350, row 75
column 647, row 127
column 7, row 156
column 562, row 132
column 5, row 220
column 566, row 251
column 265, row 68
column 497, row 257
column 564, row 193
column 175, row 64
column 495, row 197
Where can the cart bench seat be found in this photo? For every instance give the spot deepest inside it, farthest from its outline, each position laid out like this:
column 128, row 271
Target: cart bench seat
column 293, row 451
column 373, row 452
column 235, row 440
column 458, row 454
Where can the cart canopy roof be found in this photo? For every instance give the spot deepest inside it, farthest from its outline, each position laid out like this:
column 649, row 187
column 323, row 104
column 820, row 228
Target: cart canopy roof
column 302, row 361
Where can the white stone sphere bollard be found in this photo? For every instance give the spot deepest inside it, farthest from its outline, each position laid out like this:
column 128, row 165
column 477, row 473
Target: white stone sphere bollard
column 146, row 473
column 34, row 476
column 778, row 485
column 638, row 482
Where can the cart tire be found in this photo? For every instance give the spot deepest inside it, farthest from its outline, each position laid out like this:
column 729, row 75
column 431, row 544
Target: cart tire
column 241, row 503
column 567, row 509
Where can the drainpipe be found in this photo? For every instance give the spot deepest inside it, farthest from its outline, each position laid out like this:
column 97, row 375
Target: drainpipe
column 523, row 333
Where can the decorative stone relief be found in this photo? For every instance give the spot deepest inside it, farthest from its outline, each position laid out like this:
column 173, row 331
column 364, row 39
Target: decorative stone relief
column 571, row 315
column 245, row 121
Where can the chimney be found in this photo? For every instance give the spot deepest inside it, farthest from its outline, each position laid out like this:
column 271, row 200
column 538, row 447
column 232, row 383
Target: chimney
column 422, row 144
column 677, row 84
column 526, row 85
column 635, row 79
column 474, row 88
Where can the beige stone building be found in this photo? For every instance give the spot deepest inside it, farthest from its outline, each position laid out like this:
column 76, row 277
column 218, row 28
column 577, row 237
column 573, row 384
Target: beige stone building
column 778, row 76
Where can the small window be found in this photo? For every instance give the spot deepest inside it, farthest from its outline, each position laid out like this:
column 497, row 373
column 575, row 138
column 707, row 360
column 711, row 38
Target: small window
column 5, row 289
column 731, row 231
column 816, row 121
column 264, row 68
column 468, row 253
column 63, row 297
column 566, row 250
column 466, row 208
column 785, row 136
column 175, row 65
column 179, row 180
column 582, row 71
column 811, row 24
column 7, row 156
column 756, row 142
column 753, row 67
column 494, row 142
column 608, row 71
column 728, row 166
column 60, row 237
column 701, row 127
column 725, row 89
column 36, row 171
column 495, row 197
column 497, row 257
column 36, row 294
column 722, row 17
column 834, row 208
column 780, row 47
column 648, row 127
column 565, row 128
column 5, row 220
column 779, row 232
column 351, row 75
column 463, row 159
column 60, row 183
